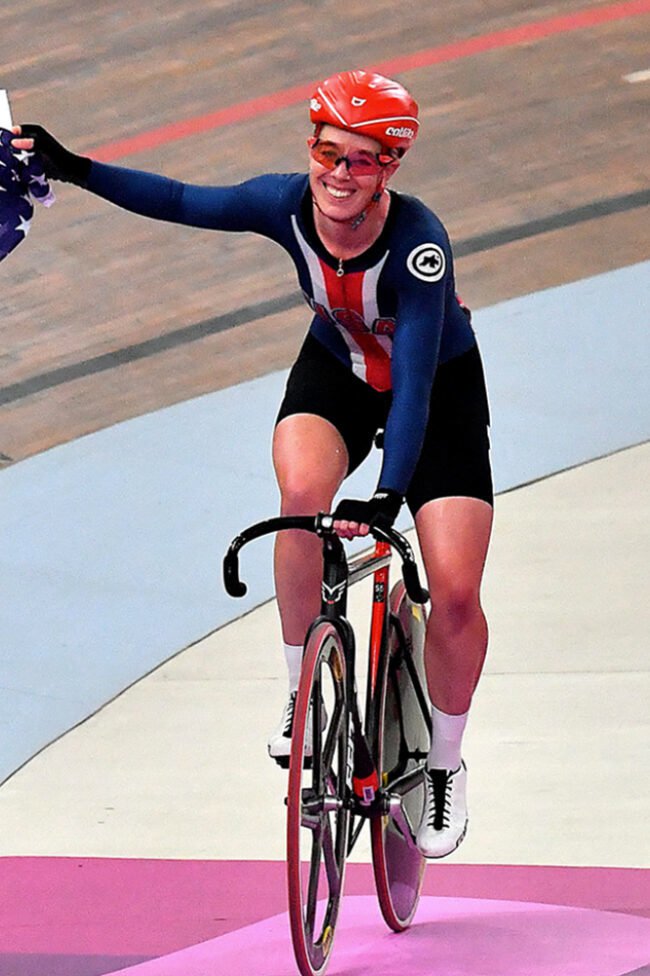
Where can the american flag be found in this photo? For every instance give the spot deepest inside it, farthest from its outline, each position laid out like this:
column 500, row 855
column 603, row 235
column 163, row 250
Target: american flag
column 22, row 180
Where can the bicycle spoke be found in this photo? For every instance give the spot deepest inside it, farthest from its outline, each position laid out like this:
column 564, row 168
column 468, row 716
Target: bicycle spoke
column 402, row 731
column 333, row 733
column 354, row 833
column 403, row 780
column 401, row 761
column 317, row 736
column 314, row 876
column 318, row 813
column 417, row 688
column 333, row 873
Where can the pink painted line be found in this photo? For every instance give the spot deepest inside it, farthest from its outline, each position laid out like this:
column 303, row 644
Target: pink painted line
column 265, row 104
column 130, row 907
column 121, row 907
column 450, row 935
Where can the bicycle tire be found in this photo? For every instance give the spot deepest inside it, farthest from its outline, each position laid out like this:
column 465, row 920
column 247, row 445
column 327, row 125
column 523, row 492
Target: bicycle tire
column 318, row 813
column 401, row 744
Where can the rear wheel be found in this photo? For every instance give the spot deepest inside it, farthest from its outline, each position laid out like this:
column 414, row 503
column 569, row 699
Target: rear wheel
column 402, row 736
column 318, row 813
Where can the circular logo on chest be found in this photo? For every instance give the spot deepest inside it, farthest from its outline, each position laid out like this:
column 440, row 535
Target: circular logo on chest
column 427, row 262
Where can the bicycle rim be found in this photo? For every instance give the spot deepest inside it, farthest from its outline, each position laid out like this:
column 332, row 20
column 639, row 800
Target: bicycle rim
column 401, row 744
column 317, row 802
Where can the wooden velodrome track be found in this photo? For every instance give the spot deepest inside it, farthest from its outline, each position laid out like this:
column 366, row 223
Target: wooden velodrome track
column 530, row 134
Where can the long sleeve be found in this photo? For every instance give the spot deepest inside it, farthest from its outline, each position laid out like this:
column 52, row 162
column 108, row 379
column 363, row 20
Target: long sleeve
column 416, row 348
column 248, row 206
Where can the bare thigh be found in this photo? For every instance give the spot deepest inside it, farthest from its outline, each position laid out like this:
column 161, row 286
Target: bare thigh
column 310, row 460
column 454, row 534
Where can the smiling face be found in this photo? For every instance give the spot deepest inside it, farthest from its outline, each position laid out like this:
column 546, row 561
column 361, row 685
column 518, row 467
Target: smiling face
column 339, row 194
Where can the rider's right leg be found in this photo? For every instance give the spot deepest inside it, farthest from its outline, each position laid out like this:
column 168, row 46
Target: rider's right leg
column 311, row 461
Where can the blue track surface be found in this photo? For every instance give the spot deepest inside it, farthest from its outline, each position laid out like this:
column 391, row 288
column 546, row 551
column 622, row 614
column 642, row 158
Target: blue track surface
column 111, row 545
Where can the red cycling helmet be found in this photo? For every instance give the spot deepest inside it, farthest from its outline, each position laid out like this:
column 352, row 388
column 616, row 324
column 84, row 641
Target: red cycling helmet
column 368, row 103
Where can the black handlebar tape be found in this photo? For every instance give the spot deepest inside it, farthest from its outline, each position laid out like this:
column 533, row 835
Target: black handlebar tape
column 415, row 590
column 231, row 580
column 322, row 522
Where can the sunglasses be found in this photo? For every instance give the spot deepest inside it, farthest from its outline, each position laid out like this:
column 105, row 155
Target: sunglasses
column 359, row 162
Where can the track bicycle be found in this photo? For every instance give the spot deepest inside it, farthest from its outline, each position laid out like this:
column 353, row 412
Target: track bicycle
column 345, row 769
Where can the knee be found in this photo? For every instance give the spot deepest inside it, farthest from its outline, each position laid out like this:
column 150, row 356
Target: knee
column 302, row 496
column 455, row 607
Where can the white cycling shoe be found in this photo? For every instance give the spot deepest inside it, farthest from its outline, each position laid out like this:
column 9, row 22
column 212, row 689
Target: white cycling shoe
column 279, row 742
column 444, row 820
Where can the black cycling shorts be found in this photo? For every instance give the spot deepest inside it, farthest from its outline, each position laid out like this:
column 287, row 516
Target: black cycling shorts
column 455, row 455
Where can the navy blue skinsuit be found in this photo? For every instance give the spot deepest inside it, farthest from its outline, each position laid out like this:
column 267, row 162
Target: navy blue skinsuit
column 390, row 315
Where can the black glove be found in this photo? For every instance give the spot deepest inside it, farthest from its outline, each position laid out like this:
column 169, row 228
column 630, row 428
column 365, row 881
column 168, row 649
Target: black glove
column 380, row 510
column 58, row 162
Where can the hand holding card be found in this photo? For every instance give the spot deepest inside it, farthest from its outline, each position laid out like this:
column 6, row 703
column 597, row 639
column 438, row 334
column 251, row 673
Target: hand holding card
column 22, row 180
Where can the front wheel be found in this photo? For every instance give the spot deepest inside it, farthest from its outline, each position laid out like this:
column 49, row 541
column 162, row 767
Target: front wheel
column 402, row 736
column 318, row 814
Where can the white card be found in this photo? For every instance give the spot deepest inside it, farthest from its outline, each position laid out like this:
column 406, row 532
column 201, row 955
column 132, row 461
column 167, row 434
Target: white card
column 5, row 110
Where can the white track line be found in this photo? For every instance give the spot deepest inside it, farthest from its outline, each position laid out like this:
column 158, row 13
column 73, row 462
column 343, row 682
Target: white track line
column 637, row 76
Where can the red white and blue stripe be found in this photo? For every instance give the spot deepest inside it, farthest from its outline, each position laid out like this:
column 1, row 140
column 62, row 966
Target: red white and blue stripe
column 349, row 302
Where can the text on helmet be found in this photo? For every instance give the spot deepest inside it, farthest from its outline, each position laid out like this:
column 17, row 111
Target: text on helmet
column 402, row 132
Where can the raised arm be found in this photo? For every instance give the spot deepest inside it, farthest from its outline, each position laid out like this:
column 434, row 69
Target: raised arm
column 246, row 206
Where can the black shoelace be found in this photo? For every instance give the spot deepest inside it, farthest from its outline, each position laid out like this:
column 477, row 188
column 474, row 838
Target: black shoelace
column 288, row 723
column 439, row 788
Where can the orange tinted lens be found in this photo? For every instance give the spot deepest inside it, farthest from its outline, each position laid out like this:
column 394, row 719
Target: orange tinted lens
column 362, row 163
column 359, row 162
column 326, row 153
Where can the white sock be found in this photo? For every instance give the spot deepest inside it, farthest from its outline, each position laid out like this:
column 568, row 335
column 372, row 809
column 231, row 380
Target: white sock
column 293, row 657
column 446, row 739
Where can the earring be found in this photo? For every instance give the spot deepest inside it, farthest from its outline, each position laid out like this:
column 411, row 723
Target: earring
column 376, row 196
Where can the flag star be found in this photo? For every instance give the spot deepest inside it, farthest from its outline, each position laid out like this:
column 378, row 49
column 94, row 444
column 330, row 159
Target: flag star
column 24, row 226
column 23, row 155
column 41, row 180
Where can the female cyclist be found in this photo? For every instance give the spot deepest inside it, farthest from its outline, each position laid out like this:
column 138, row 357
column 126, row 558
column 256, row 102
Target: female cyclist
column 390, row 346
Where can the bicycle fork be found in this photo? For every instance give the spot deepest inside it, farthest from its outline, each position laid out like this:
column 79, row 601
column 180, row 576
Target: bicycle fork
column 362, row 775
